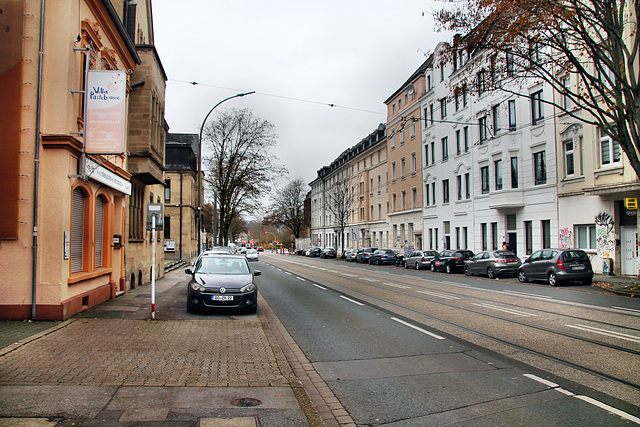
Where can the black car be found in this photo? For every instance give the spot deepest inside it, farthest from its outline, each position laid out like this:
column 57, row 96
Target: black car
column 313, row 252
column 450, row 260
column 328, row 253
column 222, row 282
column 364, row 254
column 383, row 256
column 493, row 264
column 556, row 266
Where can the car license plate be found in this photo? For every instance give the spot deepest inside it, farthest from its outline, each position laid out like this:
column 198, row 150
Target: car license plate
column 578, row 267
column 223, row 298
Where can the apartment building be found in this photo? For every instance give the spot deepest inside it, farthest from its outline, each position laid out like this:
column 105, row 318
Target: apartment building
column 64, row 208
column 404, row 154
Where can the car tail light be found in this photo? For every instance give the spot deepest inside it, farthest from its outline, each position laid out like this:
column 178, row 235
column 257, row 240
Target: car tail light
column 560, row 264
column 457, row 259
column 422, row 259
column 501, row 260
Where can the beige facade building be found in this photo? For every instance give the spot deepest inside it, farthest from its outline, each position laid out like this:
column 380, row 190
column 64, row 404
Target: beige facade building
column 404, row 159
column 61, row 232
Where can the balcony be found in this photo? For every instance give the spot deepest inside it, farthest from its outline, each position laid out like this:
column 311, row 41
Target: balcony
column 507, row 199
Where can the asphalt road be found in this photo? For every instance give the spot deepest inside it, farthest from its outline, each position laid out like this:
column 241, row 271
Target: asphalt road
column 404, row 348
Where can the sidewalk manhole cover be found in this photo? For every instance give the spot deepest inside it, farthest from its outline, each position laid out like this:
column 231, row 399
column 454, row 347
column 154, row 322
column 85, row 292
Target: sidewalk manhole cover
column 246, row 402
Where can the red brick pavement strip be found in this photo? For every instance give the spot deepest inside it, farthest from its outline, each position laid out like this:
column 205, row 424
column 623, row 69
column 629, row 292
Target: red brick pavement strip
column 327, row 405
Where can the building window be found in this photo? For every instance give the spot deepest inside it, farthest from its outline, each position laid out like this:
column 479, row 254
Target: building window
column 393, row 143
column 459, row 186
column 402, row 135
column 404, row 200
column 609, row 150
column 545, row 229
column 483, row 128
column 484, row 179
column 414, row 164
column 465, row 138
column 136, row 211
column 566, row 99
column 445, row 149
column 443, row 108
column 379, row 184
column 510, row 63
column 586, row 236
column 433, row 153
column 497, row 174
column 465, row 237
column 537, row 113
column 426, row 155
column 430, row 114
column 433, row 192
column 395, row 202
column 414, row 197
column 441, row 71
column 445, row 191
column 514, row 172
column 481, row 82
column 403, row 165
column 495, row 110
column 512, row 115
column 465, row 96
column 458, row 142
column 167, row 190
column 483, row 235
column 458, row 238
column 528, row 237
column 427, row 199
column 393, row 171
column 467, row 186
column 77, row 231
column 167, row 227
column 412, row 128
column 569, row 168
column 494, row 236
column 540, row 168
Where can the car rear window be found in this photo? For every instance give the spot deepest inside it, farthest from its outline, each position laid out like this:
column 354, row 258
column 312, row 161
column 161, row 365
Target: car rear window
column 504, row 254
column 466, row 254
column 575, row 256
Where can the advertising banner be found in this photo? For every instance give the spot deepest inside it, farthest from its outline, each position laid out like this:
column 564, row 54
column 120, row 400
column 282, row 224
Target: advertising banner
column 105, row 118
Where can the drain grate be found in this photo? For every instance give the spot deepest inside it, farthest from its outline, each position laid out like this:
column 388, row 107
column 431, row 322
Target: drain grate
column 246, row 402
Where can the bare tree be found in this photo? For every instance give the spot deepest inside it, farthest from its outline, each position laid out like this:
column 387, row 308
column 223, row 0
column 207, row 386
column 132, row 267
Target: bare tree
column 240, row 168
column 339, row 205
column 594, row 43
column 288, row 208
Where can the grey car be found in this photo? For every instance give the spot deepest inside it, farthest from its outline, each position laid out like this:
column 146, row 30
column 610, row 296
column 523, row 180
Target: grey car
column 492, row 264
column 556, row 266
column 420, row 259
column 364, row 255
column 222, row 282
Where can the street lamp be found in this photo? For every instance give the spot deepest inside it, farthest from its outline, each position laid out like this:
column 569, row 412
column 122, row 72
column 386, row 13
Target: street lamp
column 200, row 225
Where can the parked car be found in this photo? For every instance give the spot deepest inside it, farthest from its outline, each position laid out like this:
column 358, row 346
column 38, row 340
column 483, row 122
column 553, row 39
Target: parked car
column 222, row 282
column 383, row 256
column 451, row 261
column 347, row 255
column 493, row 264
column 556, row 266
column 216, row 250
column 354, row 254
column 364, row 255
column 251, row 254
column 260, row 249
column 328, row 253
column 313, row 252
column 420, row 259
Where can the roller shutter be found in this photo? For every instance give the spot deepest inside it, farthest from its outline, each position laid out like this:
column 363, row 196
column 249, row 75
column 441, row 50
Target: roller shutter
column 77, row 230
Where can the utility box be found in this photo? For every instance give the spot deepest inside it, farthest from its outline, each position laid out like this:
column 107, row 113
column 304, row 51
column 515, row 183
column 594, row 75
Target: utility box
column 607, row 267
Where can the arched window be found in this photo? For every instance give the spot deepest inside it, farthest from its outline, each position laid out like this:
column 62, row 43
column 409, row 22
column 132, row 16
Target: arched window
column 77, row 230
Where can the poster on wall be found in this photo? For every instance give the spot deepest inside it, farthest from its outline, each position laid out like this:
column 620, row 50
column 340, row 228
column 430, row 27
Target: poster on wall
column 105, row 118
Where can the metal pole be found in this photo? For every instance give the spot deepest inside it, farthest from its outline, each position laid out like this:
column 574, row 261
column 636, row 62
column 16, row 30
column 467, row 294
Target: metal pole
column 200, row 165
column 153, row 267
column 214, row 219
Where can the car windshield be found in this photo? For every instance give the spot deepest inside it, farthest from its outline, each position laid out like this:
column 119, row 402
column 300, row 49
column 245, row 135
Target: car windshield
column 222, row 265
column 575, row 256
column 389, row 252
column 466, row 254
column 252, row 251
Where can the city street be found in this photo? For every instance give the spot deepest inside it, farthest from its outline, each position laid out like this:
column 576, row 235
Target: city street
column 401, row 347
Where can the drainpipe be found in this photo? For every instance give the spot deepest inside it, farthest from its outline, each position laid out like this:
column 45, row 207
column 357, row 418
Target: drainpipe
column 36, row 165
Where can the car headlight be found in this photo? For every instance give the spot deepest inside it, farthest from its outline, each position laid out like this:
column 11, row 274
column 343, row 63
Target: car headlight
column 248, row 288
column 196, row 286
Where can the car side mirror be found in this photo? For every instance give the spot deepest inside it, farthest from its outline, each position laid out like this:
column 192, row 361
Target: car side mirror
column 257, row 272
column 188, row 271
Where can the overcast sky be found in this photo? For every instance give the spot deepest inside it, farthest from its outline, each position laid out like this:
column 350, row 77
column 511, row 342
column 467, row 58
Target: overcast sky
column 299, row 56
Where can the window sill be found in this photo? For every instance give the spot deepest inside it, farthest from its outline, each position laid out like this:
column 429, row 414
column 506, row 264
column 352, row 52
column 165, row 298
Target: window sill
column 86, row 275
column 609, row 170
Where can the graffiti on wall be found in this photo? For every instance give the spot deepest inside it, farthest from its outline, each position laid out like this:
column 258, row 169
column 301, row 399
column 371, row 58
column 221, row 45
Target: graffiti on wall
column 565, row 238
column 605, row 237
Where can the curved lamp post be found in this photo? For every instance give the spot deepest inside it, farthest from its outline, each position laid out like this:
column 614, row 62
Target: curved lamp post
column 200, row 225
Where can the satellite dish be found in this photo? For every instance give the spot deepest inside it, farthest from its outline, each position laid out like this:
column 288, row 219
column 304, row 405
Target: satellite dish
column 411, row 90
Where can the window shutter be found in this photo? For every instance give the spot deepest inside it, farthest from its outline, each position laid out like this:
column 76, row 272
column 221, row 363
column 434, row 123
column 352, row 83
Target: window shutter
column 77, row 229
column 99, row 230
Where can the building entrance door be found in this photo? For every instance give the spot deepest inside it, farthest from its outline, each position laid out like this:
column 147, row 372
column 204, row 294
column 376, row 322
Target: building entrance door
column 513, row 242
column 629, row 243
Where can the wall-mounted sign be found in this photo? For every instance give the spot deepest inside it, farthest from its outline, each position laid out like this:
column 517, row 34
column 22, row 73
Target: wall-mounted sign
column 631, row 203
column 106, row 107
column 154, row 210
column 108, row 178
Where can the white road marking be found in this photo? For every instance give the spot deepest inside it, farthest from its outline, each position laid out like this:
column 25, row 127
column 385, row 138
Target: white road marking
column 526, row 294
column 397, row 286
column 348, row 275
column 320, row 287
column 286, row 272
column 350, row 300
column 431, row 334
column 627, row 309
column 300, row 278
column 368, row 279
column 435, row 294
column 587, row 399
column 605, row 332
column 506, row 310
